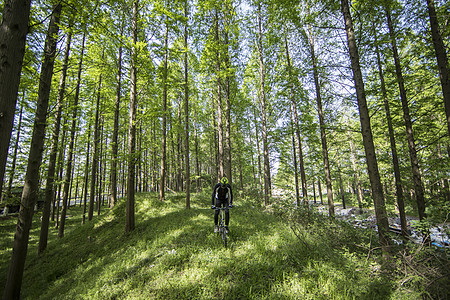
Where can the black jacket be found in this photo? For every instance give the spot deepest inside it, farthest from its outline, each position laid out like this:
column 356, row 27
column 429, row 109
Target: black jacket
column 229, row 194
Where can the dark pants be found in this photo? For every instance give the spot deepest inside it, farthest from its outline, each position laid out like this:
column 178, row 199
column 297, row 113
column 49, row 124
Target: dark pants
column 220, row 203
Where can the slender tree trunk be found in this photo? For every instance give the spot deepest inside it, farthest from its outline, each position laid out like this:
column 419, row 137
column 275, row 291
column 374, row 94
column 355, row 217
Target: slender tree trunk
column 262, row 73
column 408, row 124
column 54, row 150
column 86, row 174
column 297, row 130
column 130, row 220
column 31, row 185
column 16, row 148
column 114, row 145
column 320, row 192
column 398, row 181
column 59, row 172
column 220, row 139
column 101, row 171
column 95, row 154
column 442, row 60
column 371, row 160
column 67, row 178
column 186, row 109
column 13, row 32
column 323, row 134
column 359, row 191
column 227, row 141
column 164, row 119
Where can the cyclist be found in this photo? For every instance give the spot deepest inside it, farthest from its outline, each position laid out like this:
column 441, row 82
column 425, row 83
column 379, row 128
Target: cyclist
column 222, row 195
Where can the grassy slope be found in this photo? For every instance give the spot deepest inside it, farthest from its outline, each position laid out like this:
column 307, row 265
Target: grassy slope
column 173, row 254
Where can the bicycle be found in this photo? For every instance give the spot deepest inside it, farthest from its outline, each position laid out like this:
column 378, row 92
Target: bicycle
column 222, row 229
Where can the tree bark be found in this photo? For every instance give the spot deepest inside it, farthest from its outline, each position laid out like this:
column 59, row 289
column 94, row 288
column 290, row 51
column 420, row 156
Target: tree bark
column 186, row 110
column 49, row 191
column 164, row 119
column 417, row 180
column 130, row 220
column 441, row 57
column 323, row 134
column 114, row 146
column 371, row 160
column 68, row 176
column 86, row 174
column 262, row 73
column 297, row 131
column 398, row 181
column 31, row 185
column 13, row 32
column 227, row 141
column 95, row 154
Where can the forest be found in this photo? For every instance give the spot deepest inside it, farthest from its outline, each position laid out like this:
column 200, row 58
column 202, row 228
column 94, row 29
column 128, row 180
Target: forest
column 128, row 111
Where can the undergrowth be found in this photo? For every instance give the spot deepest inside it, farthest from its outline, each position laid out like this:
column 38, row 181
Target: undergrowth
column 275, row 253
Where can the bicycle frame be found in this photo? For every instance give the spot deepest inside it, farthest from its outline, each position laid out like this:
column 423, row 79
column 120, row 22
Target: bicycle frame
column 222, row 230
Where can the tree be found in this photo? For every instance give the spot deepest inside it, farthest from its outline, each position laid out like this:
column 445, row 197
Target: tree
column 68, row 177
column 398, row 182
column 262, row 101
column 441, row 57
column 31, row 185
column 186, row 108
column 130, row 222
column 371, row 160
column 13, row 32
column 49, row 191
column 323, row 134
column 114, row 145
column 417, row 180
column 162, row 186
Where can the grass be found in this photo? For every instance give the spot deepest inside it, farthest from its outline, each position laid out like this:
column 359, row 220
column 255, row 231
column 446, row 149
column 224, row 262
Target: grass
column 174, row 254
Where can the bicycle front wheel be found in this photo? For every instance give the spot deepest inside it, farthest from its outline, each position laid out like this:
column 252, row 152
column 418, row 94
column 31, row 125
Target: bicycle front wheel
column 224, row 237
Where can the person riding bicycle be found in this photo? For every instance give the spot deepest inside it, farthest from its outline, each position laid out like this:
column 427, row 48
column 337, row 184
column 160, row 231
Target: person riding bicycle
column 222, row 196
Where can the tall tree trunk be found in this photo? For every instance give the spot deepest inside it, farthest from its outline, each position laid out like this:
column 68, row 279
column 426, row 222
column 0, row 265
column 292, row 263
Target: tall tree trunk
column 101, row 170
column 297, row 129
column 408, row 124
column 186, row 110
column 323, row 134
column 164, row 118
column 67, row 178
column 16, row 148
column 13, row 32
column 442, row 60
column 54, row 150
column 227, row 141
column 86, row 173
column 262, row 73
column 31, row 185
column 130, row 220
column 114, row 146
column 398, row 181
column 220, row 146
column 371, row 160
column 95, row 150
column 59, row 171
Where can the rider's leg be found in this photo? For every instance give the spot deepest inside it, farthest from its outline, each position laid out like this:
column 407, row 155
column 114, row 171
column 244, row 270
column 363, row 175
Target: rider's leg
column 216, row 212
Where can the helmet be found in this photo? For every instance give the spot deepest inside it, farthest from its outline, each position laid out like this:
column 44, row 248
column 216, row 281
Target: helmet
column 224, row 181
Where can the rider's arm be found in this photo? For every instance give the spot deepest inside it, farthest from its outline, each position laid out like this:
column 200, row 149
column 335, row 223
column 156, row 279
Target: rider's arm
column 231, row 195
column 213, row 194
